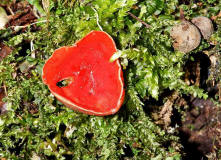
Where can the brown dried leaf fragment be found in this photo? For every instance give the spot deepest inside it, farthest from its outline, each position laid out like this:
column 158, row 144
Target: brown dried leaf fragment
column 4, row 51
column 217, row 16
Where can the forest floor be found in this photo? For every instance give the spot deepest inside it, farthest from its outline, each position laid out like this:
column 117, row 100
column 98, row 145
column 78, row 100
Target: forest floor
column 199, row 128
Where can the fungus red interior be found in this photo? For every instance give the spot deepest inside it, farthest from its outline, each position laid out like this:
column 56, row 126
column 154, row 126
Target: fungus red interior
column 95, row 85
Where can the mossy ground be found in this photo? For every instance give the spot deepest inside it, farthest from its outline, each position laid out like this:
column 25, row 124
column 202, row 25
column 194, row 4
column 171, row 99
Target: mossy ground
column 37, row 125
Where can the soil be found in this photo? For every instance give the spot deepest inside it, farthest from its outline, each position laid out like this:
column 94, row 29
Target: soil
column 202, row 127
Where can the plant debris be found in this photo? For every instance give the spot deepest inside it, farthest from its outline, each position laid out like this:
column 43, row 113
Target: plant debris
column 167, row 108
column 4, row 51
column 2, row 95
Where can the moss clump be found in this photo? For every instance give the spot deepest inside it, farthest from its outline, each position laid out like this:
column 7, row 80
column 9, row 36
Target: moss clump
column 36, row 124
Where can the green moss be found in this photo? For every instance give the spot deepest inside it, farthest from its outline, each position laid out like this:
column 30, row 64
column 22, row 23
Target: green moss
column 37, row 124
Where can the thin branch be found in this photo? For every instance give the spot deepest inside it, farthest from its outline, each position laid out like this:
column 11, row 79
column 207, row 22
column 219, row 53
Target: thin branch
column 18, row 27
column 5, row 90
column 32, row 49
column 138, row 19
column 10, row 10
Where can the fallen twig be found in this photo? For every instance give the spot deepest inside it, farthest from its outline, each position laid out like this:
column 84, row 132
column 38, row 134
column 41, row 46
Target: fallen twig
column 10, row 10
column 20, row 27
column 5, row 90
column 141, row 21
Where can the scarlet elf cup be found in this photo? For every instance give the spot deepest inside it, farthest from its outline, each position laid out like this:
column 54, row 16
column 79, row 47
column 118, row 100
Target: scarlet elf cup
column 94, row 84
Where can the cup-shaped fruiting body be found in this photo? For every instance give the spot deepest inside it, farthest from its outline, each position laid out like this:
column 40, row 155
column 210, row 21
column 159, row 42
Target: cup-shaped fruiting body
column 205, row 26
column 83, row 78
column 186, row 36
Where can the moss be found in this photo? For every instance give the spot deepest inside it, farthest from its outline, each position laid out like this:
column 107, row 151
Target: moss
column 36, row 124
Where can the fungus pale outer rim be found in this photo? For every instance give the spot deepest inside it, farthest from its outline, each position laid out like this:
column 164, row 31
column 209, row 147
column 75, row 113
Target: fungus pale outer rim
column 72, row 104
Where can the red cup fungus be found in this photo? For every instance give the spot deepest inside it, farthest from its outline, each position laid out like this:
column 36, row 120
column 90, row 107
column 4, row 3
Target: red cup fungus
column 83, row 78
